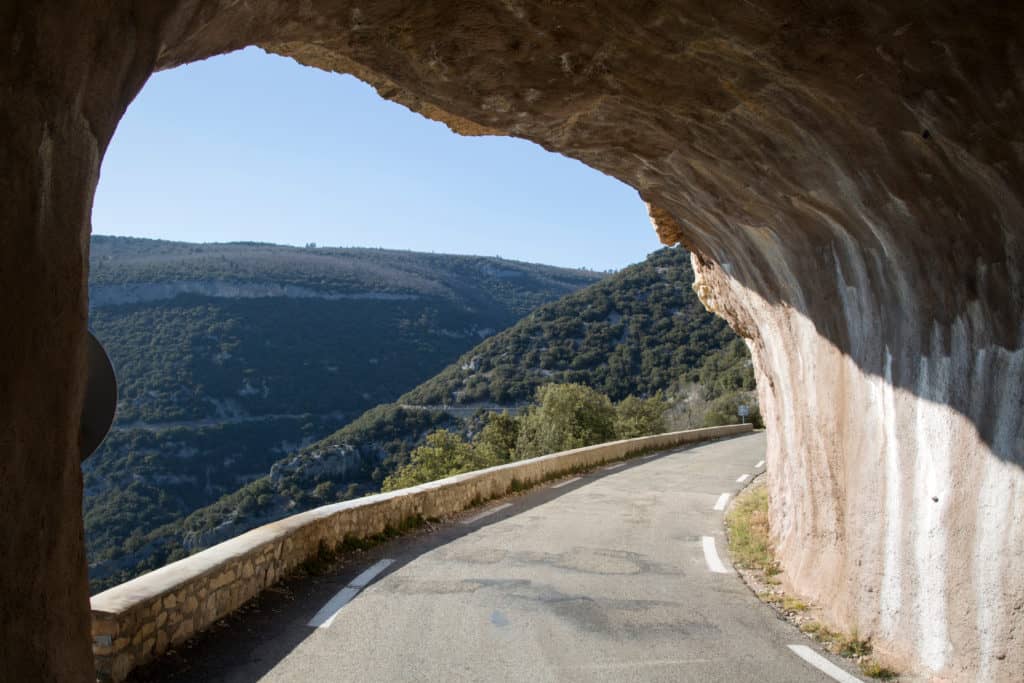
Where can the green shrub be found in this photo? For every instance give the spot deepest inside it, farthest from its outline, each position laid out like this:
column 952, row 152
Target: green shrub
column 566, row 416
column 640, row 417
column 444, row 454
column 724, row 410
column 497, row 440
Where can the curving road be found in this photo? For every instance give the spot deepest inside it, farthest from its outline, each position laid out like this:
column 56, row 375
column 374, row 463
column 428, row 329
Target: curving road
column 619, row 575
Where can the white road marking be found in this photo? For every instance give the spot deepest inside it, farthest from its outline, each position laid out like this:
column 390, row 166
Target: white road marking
column 722, row 500
column 652, row 455
column 370, row 574
column 614, row 467
column 818, row 662
column 486, row 513
column 760, row 464
column 742, row 478
column 566, row 482
column 612, row 666
column 711, row 556
column 325, row 617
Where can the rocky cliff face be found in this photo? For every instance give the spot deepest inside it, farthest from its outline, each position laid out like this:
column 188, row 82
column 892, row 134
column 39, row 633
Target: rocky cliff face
column 847, row 175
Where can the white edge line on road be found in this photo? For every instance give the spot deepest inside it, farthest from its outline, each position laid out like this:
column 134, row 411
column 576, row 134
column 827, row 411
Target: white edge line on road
column 722, row 500
column 652, row 455
column 711, row 556
column 565, row 483
column 742, row 478
column 486, row 513
column 820, row 663
column 325, row 617
column 614, row 467
column 760, row 464
column 370, row 574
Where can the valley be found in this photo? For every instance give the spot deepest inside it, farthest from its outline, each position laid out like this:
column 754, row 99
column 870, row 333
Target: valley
column 229, row 357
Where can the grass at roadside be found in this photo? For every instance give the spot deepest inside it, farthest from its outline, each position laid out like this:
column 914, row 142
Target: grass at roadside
column 747, row 524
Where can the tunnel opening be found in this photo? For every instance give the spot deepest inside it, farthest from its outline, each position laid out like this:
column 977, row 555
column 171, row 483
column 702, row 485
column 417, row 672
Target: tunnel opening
column 235, row 356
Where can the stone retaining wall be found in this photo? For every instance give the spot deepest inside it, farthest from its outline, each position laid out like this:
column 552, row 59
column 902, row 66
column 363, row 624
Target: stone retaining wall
column 139, row 620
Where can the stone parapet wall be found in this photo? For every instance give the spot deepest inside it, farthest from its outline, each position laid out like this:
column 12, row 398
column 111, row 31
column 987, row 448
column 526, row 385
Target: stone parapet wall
column 139, row 620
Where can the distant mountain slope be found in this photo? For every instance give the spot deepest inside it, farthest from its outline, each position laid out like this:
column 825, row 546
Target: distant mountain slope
column 636, row 332
column 217, row 330
column 231, row 356
column 633, row 333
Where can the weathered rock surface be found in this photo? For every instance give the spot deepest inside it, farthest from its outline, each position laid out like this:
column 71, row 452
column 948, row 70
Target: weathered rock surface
column 848, row 175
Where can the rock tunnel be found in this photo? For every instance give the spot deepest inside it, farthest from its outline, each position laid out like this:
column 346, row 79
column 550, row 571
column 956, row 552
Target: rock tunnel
column 848, row 175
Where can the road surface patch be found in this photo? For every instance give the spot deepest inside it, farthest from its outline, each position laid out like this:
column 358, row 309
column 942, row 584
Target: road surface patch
column 821, row 664
column 325, row 617
column 722, row 500
column 487, row 513
column 711, row 557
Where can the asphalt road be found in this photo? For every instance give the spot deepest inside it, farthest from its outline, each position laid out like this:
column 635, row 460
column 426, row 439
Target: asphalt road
column 603, row 578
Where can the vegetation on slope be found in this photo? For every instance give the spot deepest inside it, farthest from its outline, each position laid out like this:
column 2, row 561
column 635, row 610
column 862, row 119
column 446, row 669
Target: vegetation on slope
column 183, row 355
column 231, row 356
column 635, row 332
column 565, row 416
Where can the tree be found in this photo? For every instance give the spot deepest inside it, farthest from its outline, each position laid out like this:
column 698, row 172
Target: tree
column 566, row 416
column 443, row 454
column 640, row 417
column 324, row 490
column 497, row 440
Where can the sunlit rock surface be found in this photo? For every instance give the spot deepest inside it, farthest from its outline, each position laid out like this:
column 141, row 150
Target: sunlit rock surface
column 848, row 176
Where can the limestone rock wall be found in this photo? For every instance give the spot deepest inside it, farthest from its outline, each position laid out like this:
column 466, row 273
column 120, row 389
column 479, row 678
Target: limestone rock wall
column 889, row 505
column 848, row 175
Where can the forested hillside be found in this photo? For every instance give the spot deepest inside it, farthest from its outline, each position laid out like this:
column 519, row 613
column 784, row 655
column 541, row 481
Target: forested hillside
column 635, row 333
column 231, row 356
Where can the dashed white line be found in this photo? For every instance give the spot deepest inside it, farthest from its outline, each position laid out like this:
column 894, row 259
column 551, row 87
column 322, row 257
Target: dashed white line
column 722, row 500
column 760, row 464
column 565, row 483
column 652, row 455
column 486, row 513
column 820, row 663
column 742, row 478
column 614, row 467
column 711, row 556
column 325, row 617
column 370, row 574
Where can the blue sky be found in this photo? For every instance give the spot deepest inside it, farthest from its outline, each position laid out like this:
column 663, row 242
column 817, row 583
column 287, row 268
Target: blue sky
column 251, row 146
